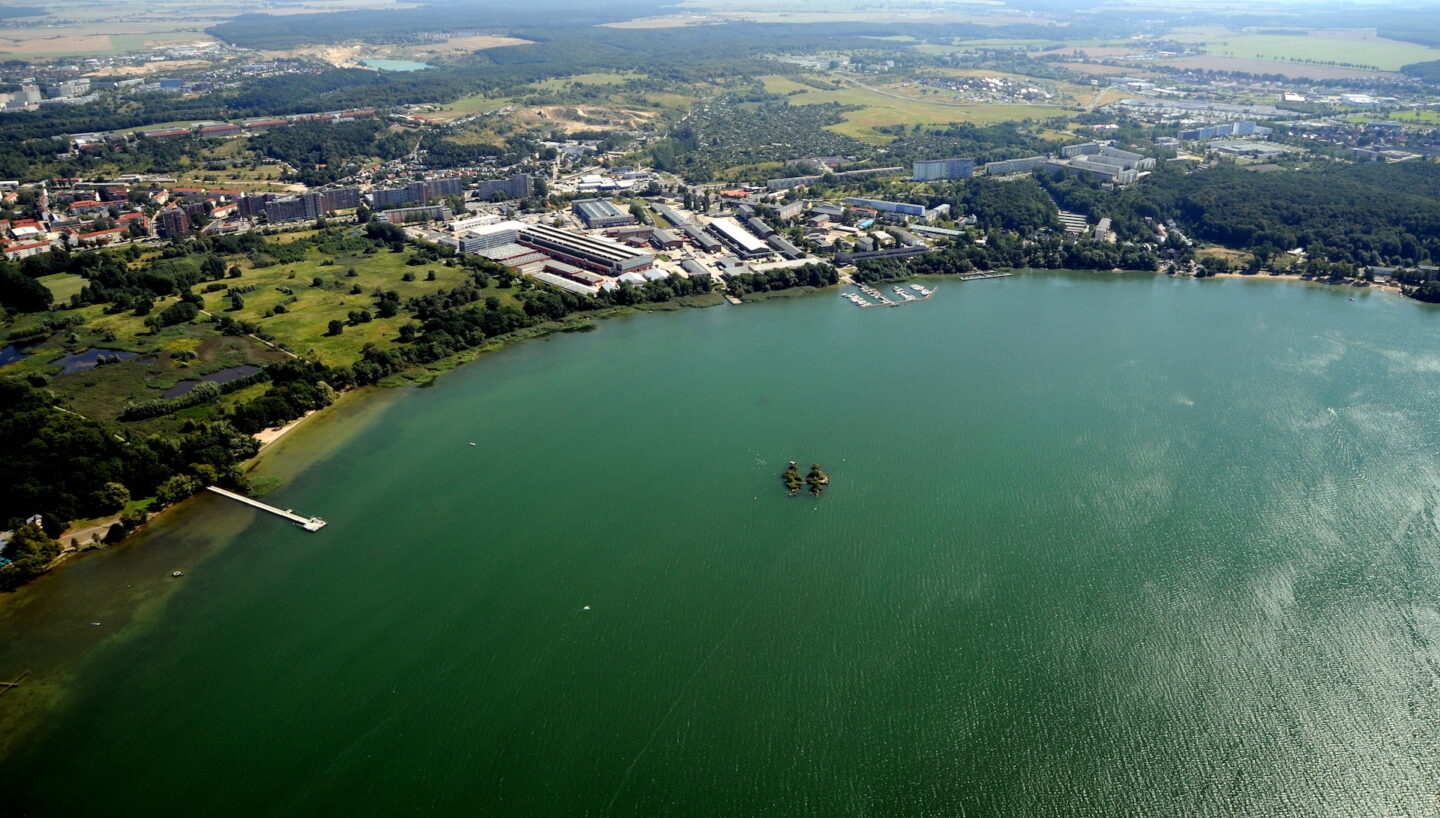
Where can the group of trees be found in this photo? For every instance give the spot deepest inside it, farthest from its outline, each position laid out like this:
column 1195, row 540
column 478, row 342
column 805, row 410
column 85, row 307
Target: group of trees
column 1372, row 214
column 67, row 467
column 1007, row 251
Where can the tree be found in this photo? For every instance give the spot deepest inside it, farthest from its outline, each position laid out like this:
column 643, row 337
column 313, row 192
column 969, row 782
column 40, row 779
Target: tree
column 175, row 489
column 111, row 497
column 22, row 293
column 336, row 327
column 31, row 551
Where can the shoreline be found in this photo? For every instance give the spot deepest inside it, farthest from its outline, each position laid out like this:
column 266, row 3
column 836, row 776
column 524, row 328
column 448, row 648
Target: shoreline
column 273, row 434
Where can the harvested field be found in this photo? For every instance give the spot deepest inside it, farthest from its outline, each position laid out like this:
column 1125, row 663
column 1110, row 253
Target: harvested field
column 1288, row 69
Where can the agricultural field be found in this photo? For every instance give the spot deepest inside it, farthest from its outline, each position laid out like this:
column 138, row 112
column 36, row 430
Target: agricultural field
column 1210, row 62
column 879, row 107
column 1325, row 47
column 108, row 40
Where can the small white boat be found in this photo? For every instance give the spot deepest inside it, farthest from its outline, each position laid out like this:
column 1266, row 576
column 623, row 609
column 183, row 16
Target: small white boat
column 177, row 573
column 472, row 443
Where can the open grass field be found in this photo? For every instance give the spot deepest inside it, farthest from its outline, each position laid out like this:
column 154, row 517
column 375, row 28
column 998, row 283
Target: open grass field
column 877, row 109
column 1386, row 55
column 1426, row 118
column 467, row 106
column 309, row 310
column 598, row 78
column 775, row 84
column 62, row 285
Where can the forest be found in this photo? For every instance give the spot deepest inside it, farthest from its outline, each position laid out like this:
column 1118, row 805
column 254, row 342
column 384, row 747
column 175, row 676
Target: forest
column 1370, row 214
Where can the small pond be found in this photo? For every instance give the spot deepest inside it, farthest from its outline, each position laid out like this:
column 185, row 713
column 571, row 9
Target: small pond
column 80, row 361
column 10, row 354
column 227, row 375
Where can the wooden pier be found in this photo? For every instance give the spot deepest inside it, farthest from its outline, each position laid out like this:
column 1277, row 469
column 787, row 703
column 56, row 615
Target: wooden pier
column 307, row 523
column 5, row 687
column 979, row 276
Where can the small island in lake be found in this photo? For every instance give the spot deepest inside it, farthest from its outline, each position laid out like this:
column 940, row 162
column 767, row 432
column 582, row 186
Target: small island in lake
column 791, row 479
column 817, row 479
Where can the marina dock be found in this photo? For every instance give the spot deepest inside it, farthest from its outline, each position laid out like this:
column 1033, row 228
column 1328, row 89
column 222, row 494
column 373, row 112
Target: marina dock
column 979, row 276
column 307, row 523
column 881, row 300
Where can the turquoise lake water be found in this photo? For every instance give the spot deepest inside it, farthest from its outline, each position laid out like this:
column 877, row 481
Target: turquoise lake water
column 1096, row 545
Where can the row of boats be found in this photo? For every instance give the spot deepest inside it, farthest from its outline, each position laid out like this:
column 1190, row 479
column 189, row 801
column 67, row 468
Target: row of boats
column 881, row 300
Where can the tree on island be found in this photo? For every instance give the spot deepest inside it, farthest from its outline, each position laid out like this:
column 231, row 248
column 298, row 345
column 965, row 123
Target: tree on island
column 817, row 479
column 791, row 479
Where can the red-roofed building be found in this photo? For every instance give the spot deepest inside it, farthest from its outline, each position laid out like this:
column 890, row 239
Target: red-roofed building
column 258, row 125
column 110, row 236
column 167, row 133
column 15, row 252
column 87, row 206
column 220, row 130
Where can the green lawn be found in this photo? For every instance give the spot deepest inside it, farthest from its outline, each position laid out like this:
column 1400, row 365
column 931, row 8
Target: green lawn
column 62, row 285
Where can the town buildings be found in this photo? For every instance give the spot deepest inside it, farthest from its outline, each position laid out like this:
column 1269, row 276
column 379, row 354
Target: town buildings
column 601, row 213
column 929, row 170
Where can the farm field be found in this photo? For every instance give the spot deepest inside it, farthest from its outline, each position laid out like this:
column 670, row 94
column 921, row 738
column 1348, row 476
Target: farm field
column 31, row 43
column 877, row 109
column 1386, row 55
column 1211, row 62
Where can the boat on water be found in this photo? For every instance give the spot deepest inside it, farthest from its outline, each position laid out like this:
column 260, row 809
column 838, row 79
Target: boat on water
column 177, row 573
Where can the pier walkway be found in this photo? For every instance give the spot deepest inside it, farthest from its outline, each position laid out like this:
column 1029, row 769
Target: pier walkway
column 307, row 523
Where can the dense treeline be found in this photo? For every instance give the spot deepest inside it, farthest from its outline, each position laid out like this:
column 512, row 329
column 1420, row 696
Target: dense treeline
column 1004, row 251
column 1372, row 214
column 321, row 150
column 721, row 134
column 808, row 275
column 60, row 464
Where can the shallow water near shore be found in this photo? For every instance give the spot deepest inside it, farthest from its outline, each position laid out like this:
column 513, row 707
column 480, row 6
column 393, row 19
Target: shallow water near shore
column 1095, row 545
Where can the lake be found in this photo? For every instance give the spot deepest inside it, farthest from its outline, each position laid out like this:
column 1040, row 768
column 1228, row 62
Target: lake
column 395, row 65
column 1095, row 545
